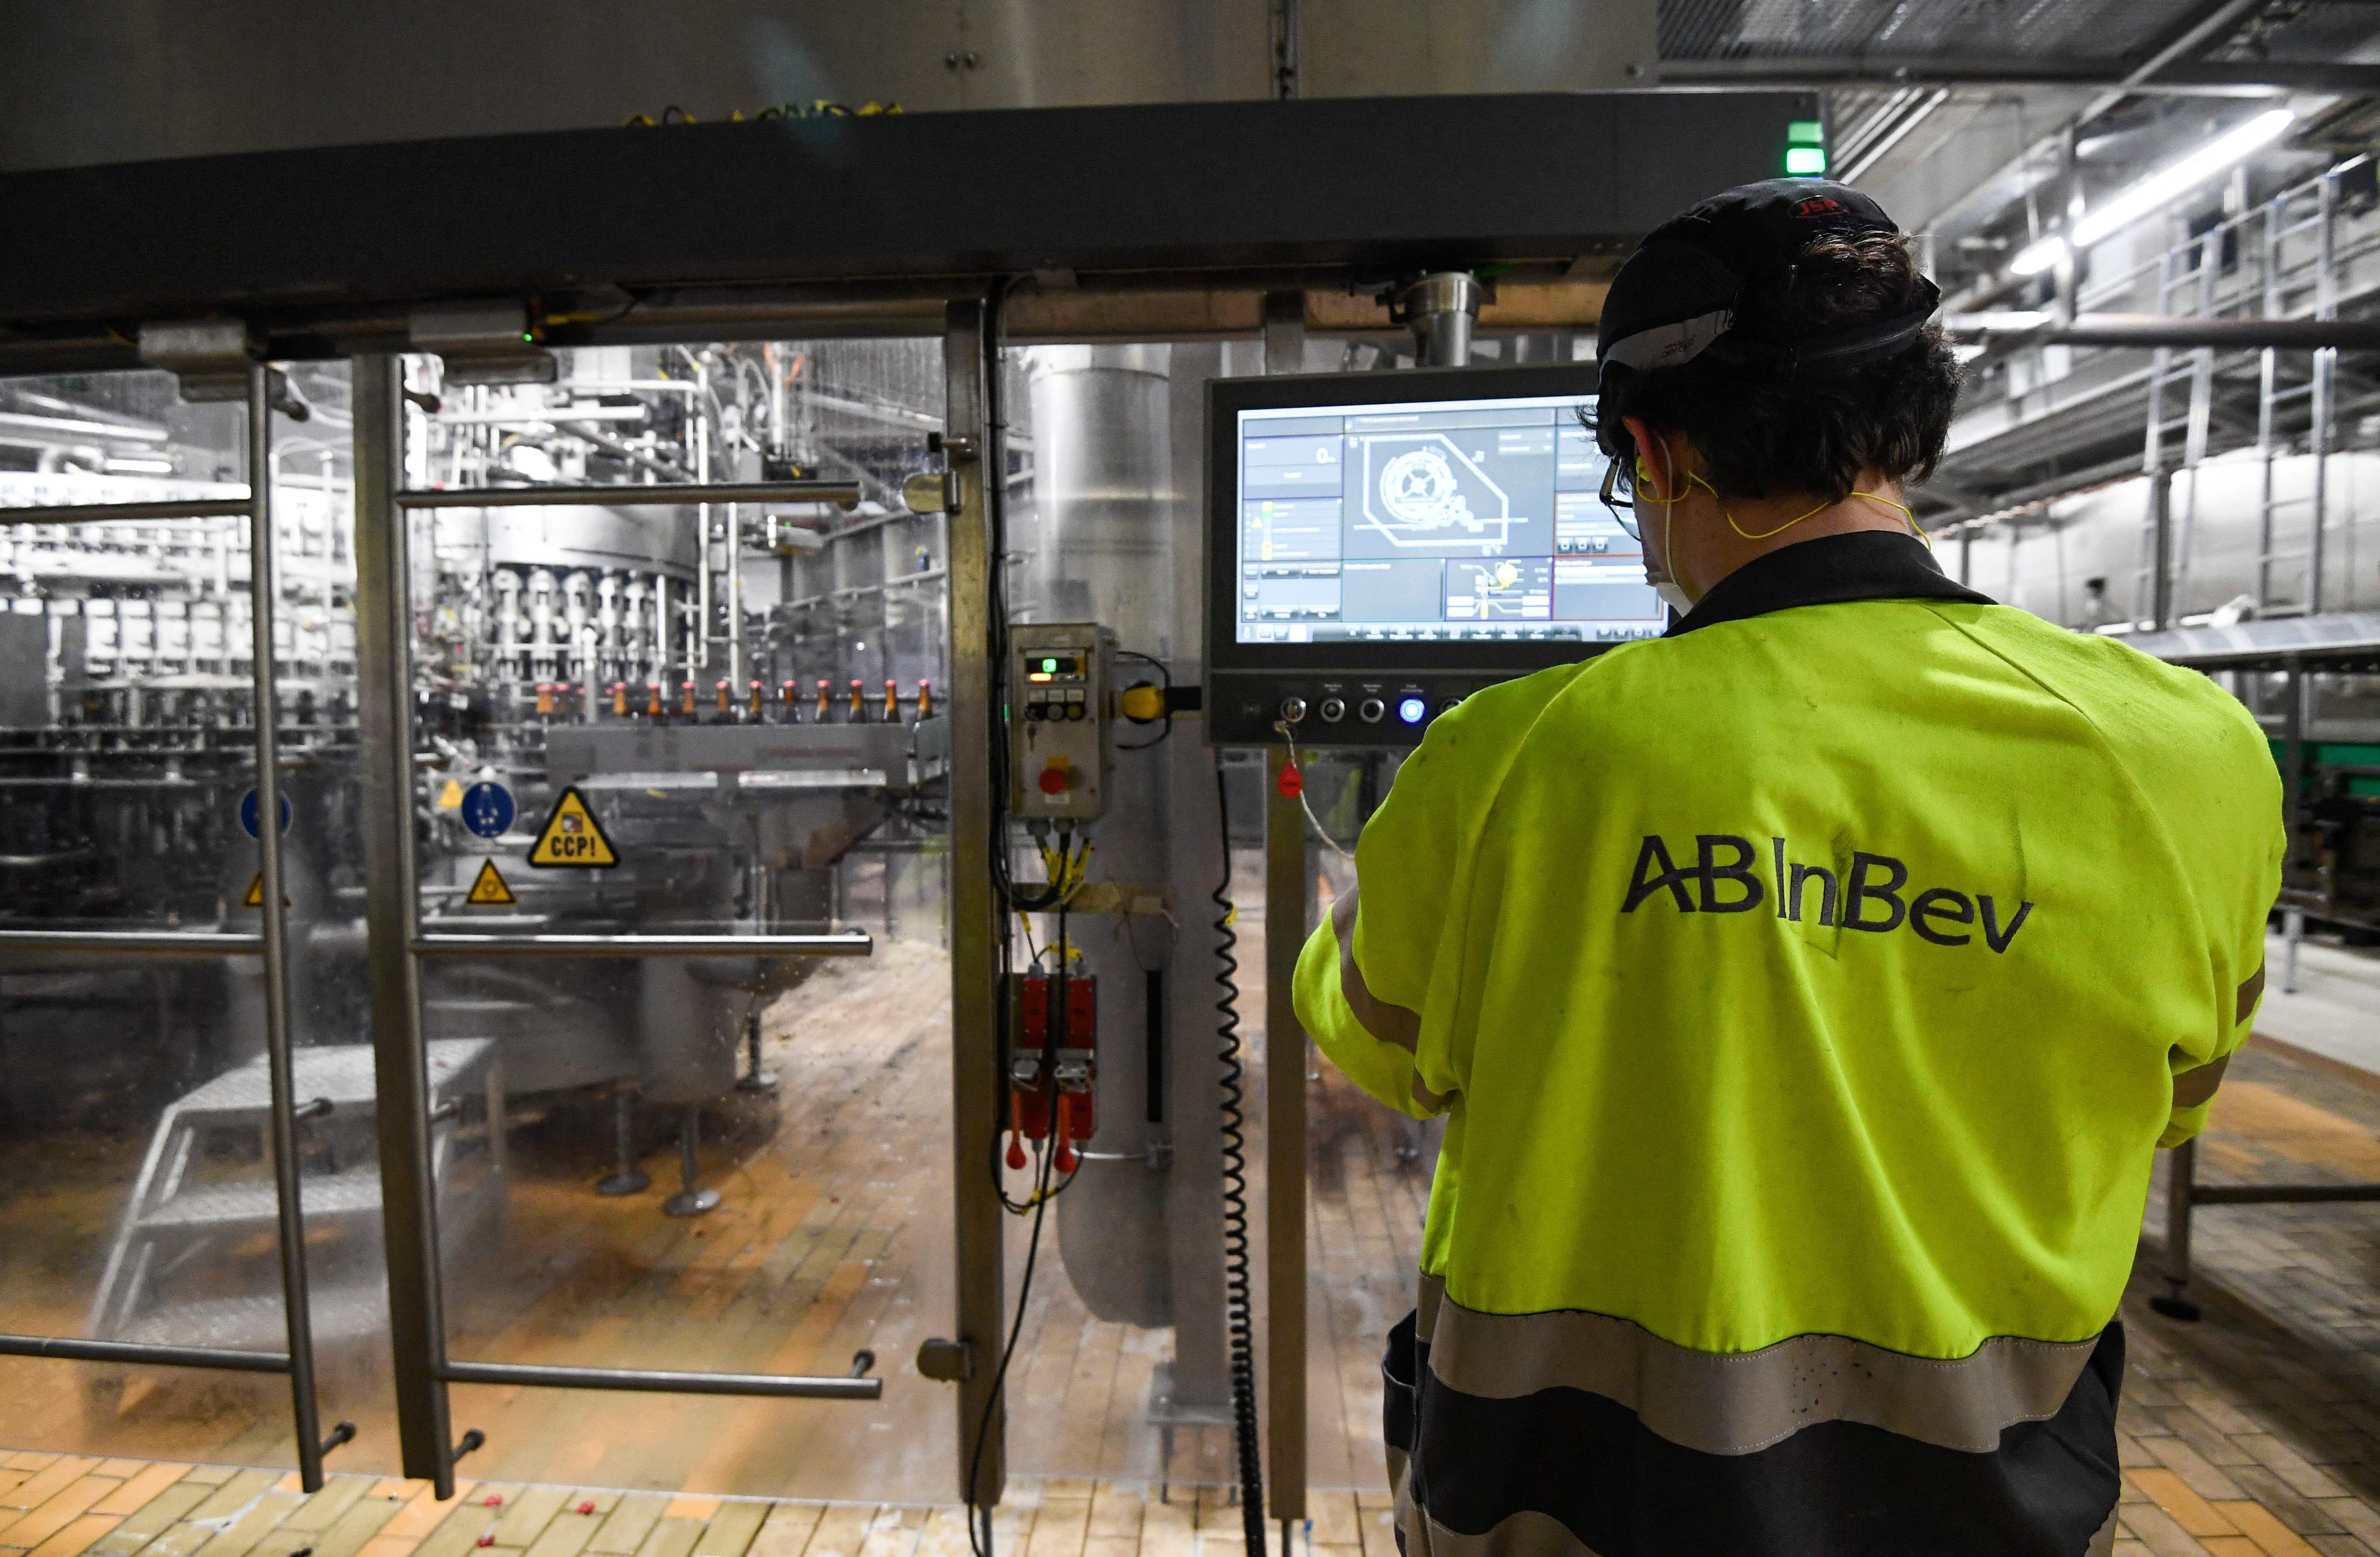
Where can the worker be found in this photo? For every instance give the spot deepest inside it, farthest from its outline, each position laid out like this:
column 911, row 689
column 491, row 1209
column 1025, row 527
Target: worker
column 1804, row 990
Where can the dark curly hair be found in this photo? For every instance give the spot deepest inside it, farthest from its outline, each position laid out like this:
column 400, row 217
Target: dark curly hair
column 1763, row 435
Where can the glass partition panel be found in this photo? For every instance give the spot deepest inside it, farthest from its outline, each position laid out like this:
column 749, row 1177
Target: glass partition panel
column 139, row 1193
column 715, row 719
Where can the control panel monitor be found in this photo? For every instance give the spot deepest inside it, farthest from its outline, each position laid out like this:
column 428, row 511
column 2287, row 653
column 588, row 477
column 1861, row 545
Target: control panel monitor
column 1380, row 546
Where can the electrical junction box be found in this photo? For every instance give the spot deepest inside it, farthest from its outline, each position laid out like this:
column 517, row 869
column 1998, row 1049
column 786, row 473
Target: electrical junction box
column 1058, row 719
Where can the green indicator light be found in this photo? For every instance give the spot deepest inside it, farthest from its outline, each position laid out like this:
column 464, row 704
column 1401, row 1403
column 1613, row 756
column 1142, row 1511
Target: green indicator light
column 1050, row 665
column 1805, row 162
column 1805, row 132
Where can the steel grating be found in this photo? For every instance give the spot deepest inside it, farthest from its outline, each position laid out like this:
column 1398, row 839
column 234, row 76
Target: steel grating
column 2062, row 30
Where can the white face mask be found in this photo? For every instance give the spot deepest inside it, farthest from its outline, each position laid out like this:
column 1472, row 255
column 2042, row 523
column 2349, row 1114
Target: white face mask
column 1672, row 593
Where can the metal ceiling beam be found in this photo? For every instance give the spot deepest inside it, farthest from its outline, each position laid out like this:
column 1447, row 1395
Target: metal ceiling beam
column 2187, row 77
column 2158, row 330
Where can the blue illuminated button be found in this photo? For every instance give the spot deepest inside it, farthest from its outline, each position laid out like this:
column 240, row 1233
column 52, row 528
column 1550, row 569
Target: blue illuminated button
column 1412, row 710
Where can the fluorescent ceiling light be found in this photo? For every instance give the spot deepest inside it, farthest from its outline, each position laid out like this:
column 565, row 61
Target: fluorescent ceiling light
column 2039, row 256
column 2168, row 183
column 2179, row 178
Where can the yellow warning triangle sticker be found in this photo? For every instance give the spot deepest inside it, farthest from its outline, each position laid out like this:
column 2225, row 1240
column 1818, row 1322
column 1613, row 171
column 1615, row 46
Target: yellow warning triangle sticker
column 489, row 889
column 255, row 898
column 451, row 797
column 571, row 836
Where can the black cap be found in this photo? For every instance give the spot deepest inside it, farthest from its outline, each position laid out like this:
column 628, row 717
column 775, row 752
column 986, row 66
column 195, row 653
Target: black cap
column 1678, row 295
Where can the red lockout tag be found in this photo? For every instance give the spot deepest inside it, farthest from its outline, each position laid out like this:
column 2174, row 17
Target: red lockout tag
column 1291, row 782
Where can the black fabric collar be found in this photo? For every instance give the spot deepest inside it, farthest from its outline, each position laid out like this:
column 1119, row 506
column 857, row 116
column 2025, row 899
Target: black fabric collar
column 1864, row 565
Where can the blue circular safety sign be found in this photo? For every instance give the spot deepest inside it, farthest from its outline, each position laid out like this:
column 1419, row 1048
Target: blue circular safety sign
column 247, row 814
column 488, row 808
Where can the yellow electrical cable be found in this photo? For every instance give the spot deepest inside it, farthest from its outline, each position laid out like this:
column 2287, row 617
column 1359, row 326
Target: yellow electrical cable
column 1906, row 512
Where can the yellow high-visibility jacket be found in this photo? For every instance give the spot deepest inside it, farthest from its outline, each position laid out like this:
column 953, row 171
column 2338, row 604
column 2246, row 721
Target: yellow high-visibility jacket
column 1807, row 991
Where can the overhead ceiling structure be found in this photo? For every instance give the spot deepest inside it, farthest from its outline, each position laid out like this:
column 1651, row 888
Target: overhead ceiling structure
column 1996, row 129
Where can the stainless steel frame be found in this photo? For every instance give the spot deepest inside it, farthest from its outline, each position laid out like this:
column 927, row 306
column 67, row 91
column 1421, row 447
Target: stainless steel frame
column 1285, row 1063
column 145, row 1352
column 396, row 941
column 970, row 353
column 843, row 494
column 858, row 1385
column 273, row 946
column 109, row 512
column 133, row 942
column 839, row 944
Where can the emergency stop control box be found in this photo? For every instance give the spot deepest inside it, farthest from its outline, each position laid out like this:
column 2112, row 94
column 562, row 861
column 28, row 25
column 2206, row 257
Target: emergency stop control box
column 1059, row 720
column 1052, row 1062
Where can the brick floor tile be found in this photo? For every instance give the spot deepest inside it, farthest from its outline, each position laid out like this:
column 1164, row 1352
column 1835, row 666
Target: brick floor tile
column 138, row 1488
column 2304, row 1480
column 2300, row 1513
column 2258, row 1523
column 2204, row 1436
column 2157, row 1531
column 75, row 1536
column 2191, row 1466
column 2356, row 1517
column 2339, row 1546
column 2186, row 1508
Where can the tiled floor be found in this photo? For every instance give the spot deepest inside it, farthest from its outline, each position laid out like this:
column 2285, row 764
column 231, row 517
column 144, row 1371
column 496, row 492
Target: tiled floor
column 2256, row 1432
column 61, row 1506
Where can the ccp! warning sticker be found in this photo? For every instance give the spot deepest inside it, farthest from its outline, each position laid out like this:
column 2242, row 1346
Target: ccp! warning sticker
column 489, row 889
column 571, row 836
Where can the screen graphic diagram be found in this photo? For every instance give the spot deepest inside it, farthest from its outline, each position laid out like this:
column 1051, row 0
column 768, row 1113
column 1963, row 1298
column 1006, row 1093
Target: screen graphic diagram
column 1432, row 522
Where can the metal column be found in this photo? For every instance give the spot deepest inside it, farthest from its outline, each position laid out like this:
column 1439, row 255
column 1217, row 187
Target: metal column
column 1285, row 1058
column 264, row 597
column 416, row 1322
column 1284, row 1145
column 969, row 355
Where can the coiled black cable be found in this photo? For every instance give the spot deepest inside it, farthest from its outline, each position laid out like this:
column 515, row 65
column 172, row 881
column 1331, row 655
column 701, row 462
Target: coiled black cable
column 1238, row 1294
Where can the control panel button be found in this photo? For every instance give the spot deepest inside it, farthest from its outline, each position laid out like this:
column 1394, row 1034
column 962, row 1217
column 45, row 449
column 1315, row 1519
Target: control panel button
column 1292, row 710
column 1448, row 705
column 1371, row 711
column 1332, row 710
column 1055, row 777
column 1412, row 708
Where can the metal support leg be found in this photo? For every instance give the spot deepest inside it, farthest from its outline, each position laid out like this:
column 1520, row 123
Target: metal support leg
column 626, row 1178
column 384, row 624
column 970, row 355
column 2182, row 1181
column 689, row 1200
column 756, row 1078
column 264, row 598
column 2292, row 936
column 1285, row 1085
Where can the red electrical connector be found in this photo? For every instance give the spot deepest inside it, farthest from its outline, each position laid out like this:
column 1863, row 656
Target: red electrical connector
column 1051, row 1090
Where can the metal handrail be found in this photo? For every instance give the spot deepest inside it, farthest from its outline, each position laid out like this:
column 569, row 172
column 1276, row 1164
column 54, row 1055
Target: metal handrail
column 839, row 944
column 843, row 494
column 134, row 942
column 857, row 1385
column 113, row 512
column 76, row 1349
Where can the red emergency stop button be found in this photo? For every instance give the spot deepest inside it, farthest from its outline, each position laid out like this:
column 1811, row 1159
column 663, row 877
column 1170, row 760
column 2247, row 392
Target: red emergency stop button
column 1054, row 778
